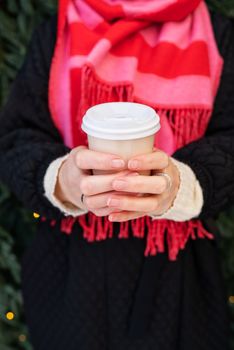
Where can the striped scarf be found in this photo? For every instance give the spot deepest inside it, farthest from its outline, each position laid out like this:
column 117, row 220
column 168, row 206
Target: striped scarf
column 158, row 52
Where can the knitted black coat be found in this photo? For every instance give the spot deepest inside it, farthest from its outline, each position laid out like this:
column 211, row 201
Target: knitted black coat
column 106, row 295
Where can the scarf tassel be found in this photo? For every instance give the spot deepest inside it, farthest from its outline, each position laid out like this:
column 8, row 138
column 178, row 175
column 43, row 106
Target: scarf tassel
column 96, row 91
column 188, row 124
column 159, row 234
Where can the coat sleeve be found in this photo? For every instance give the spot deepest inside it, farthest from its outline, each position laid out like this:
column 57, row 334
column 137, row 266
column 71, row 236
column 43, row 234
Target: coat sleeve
column 29, row 141
column 212, row 157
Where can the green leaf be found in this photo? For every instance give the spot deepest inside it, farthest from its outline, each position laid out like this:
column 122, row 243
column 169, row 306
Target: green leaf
column 27, row 7
column 12, row 7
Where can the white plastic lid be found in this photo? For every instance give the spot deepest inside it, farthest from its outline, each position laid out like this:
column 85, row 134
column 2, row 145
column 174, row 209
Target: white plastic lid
column 120, row 121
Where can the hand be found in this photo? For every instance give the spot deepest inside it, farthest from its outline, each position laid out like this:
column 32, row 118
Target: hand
column 75, row 178
column 155, row 199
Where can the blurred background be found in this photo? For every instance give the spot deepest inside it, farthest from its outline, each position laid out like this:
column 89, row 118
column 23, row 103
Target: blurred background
column 18, row 18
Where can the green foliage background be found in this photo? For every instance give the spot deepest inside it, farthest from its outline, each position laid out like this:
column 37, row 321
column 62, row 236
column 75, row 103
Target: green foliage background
column 17, row 20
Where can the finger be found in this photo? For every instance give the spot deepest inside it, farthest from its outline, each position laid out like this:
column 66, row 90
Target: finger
column 125, row 216
column 103, row 211
column 89, row 159
column 140, row 184
column 153, row 160
column 145, row 204
column 100, row 200
column 97, row 201
column 94, row 184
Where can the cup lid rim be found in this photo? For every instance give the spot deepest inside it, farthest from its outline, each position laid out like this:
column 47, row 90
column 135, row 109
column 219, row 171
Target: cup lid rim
column 129, row 127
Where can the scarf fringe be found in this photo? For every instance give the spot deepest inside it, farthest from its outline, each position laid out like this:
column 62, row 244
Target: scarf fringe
column 95, row 91
column 188, row 123
column 159, row 235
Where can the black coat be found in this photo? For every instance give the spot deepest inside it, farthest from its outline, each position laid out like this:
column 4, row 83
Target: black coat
column 107, row 295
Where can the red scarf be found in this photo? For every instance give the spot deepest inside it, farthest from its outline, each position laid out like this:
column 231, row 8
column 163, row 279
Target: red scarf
column 160, row 53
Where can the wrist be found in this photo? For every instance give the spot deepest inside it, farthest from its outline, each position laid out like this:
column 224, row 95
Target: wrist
column 188, row 201
column 60, row 191
column 56, row 188
column 169, row 197
column 176, row 182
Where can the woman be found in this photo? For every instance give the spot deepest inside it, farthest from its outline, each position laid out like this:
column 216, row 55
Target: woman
column 160, row 286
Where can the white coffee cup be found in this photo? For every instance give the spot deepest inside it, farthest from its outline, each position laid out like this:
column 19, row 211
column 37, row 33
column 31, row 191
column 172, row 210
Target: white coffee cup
column 126, row 129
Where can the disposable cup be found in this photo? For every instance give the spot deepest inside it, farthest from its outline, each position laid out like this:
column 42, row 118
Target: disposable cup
column 126, row 129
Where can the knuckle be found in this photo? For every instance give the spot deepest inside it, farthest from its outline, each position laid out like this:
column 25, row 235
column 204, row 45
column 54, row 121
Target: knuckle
column 77, row 150
column 161, row 185
column 158, row 188
column 85, row 186
column 163, row 159
column 79, row 160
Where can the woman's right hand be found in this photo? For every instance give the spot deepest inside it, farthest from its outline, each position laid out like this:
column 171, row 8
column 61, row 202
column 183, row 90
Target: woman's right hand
column 75, row 177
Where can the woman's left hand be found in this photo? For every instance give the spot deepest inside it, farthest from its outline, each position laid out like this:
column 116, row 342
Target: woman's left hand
column 156, row 197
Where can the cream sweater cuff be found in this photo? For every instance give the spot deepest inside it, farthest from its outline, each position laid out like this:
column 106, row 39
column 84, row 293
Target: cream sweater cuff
column 50, row 180
column 189, row 200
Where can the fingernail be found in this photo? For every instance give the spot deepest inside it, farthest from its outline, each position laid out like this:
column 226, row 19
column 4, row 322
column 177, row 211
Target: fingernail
column 112, row 202
column 117, row 163
column 134, row 164
column 119, row 184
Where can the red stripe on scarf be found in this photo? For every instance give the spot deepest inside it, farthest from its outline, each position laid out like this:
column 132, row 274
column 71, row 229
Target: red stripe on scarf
column 193, row 60
column 175, row 12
